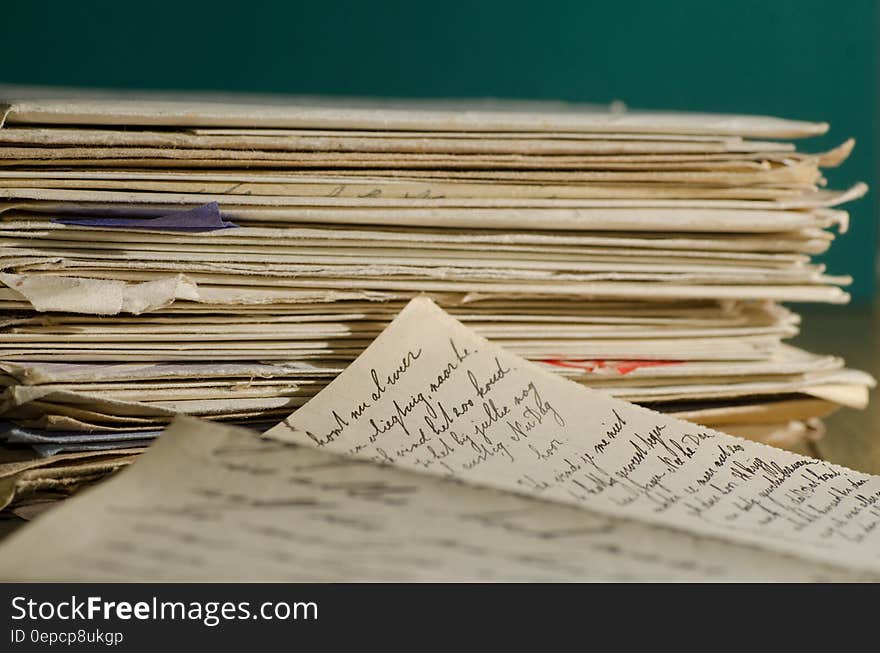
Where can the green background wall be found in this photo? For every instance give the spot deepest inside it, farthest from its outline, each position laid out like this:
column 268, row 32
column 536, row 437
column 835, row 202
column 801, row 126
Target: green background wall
column 807, row 59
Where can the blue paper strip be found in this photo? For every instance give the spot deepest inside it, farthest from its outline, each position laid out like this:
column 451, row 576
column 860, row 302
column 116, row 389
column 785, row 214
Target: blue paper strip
column 14, row 434
column 202, row 218
column 46, row 450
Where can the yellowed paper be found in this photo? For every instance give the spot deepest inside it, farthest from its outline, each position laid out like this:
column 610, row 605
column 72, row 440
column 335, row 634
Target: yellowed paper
column 334, row 185
column 97, row 296
column 232, row 507
column 366, row 141
column 432, row 396
column 809, row 240
column 58, row 106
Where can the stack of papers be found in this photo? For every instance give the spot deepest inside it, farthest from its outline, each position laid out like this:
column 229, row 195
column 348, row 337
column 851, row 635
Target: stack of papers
column 493, row 469
column 226, row 258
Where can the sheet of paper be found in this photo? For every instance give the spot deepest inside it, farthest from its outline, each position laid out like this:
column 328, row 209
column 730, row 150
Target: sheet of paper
column 366, row 252
column 364, row 183
column 360, row 188
column 132, row 290
column 430, row 395
column 56, row 106
column 365, row 141
column 499, row 262
column 226, row 506
column 785, row 362
column 98, row 296
column 802, row 240
column 694, row 220
column 731, row 161
column 446, row 271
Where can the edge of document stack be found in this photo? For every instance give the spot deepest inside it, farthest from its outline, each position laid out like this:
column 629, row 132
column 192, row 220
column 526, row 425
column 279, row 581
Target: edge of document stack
column 227, row 257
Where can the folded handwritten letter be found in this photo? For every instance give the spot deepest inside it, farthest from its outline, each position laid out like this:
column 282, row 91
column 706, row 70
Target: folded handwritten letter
column 431, row 395
column 595, row 488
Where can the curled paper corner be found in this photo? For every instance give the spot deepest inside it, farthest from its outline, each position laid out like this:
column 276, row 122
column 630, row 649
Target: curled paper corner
column 206, row 217
column 850, row 396
column 99, row 296
column 856, row 191
column 834, row 218
column 837, row 155
column 831, row 199
column 5, row 110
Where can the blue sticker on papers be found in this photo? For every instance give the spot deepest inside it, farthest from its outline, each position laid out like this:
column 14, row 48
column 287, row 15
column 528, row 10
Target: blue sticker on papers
column 202, row 218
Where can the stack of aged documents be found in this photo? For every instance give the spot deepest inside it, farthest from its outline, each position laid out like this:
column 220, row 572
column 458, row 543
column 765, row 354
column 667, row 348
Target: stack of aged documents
column 226, row 258
column 493, row 469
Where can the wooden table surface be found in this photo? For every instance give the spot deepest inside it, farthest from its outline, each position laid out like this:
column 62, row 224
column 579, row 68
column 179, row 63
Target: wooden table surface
column 853, row 436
